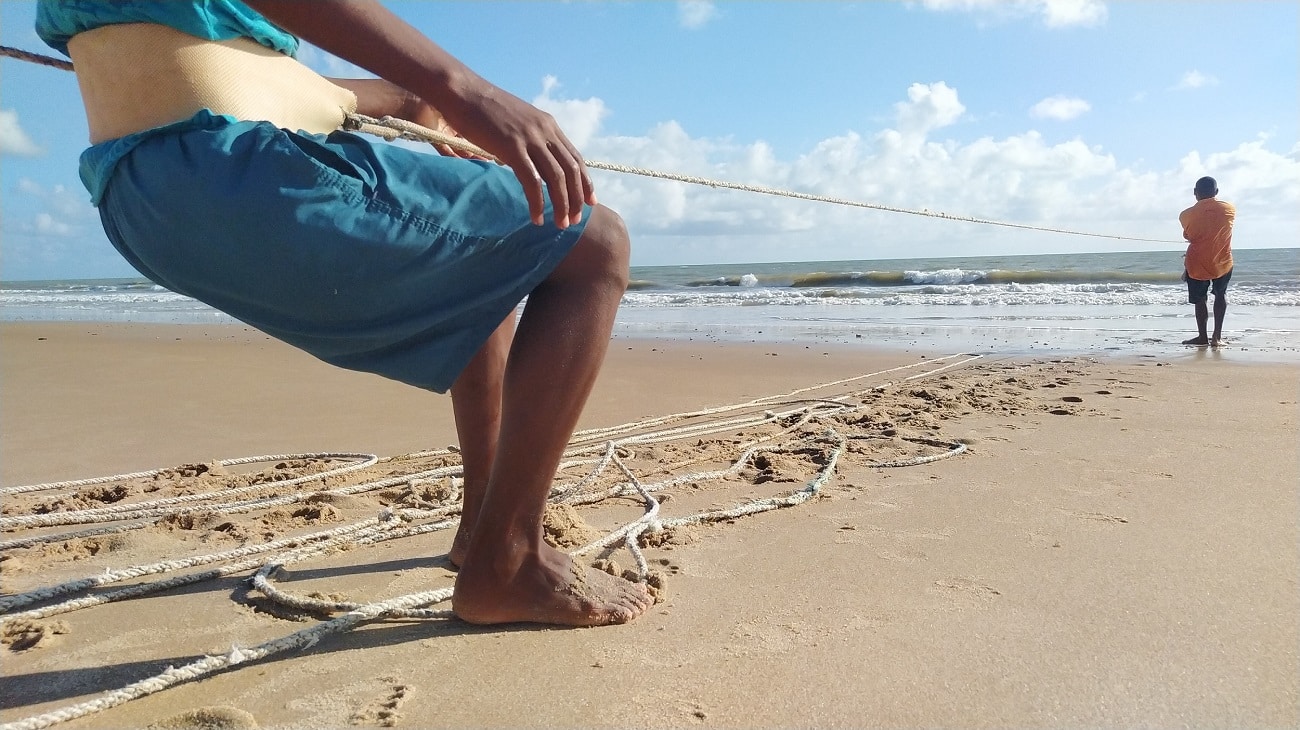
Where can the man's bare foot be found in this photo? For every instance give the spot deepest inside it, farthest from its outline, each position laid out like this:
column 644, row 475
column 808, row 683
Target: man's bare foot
column 1217, row 342
column 545, row 587
column 1200, row 341
column 459, row 546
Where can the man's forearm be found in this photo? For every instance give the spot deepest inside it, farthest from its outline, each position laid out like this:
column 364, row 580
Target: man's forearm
column 369, row 35
column 380, row 98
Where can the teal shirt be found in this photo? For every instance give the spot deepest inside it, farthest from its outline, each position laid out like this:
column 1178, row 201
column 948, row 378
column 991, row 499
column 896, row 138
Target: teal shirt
column 57, row 21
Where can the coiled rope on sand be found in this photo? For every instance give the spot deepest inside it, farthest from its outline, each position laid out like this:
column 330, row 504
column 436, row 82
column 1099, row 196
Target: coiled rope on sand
column 796, row 424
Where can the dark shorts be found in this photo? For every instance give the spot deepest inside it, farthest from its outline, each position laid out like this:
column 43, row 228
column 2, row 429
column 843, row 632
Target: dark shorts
column 1198, row 289
column 368, row 255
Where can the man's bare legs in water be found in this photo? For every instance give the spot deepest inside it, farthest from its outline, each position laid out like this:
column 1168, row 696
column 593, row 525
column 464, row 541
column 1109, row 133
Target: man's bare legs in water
column 1203, row 319
column 516, row 406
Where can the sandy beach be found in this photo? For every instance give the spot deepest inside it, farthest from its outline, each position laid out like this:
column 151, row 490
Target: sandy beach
column 968, row 542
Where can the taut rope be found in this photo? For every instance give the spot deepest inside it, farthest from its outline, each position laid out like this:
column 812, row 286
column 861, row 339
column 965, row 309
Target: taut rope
column 391, row 128
column 30, row 57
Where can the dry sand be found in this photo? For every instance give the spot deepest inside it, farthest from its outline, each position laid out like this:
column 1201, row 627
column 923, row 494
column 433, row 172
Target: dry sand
column 1117, row 546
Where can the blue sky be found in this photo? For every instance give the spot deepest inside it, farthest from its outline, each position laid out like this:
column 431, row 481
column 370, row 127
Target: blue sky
column 1077, row 114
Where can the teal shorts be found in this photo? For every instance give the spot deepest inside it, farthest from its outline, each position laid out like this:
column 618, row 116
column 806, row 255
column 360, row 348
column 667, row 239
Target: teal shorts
column 368, row 255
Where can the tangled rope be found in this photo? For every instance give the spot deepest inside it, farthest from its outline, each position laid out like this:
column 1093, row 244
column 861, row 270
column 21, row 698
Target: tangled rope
column 391, row 128
column 803, row 427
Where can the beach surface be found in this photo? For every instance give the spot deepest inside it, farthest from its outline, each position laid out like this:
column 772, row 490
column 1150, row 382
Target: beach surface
column 993, row 542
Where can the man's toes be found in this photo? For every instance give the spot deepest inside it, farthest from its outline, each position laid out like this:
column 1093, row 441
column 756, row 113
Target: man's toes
column 633, row 600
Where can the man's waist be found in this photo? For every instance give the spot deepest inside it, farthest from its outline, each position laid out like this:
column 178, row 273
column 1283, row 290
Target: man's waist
column 139, row 76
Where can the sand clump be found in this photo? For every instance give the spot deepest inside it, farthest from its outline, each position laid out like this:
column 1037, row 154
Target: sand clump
column 208, row 718
column 25, row 634
column 565, row 529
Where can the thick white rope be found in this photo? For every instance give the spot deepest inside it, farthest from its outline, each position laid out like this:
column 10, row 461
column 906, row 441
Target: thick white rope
column 108, row 577
column 367, row 459
column 66, row 536
column 145, row 508
column 210, row 664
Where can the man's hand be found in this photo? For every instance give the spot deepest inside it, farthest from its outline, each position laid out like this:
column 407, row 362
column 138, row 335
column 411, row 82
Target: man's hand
column 531, row 143
column 523, row 137
column 419, row 111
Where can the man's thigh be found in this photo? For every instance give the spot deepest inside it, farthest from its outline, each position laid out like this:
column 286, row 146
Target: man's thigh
column 1220, row 285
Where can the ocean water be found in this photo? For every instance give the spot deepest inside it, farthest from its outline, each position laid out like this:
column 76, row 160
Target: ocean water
column 1118, row 303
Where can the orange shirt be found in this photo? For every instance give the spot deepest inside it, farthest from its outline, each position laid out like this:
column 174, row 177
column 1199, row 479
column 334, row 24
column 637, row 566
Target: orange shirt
column 1207, row 226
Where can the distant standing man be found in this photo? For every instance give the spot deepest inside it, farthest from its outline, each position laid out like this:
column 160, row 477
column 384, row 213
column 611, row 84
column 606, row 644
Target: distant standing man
column 1207, row 226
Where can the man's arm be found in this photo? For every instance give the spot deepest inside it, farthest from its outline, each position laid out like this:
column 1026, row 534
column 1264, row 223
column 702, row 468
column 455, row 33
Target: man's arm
column 379, row 98
column 523, row 137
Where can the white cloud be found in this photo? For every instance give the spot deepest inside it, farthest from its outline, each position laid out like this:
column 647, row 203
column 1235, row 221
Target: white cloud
column 1068, row 13
column 1062, row 108
column 59, row 200
column 45, row 224
column 1250, row 175
column 695, row 14
column 13, row 139
column 928, row 107
column 1054, row 13
column 911, row 164
column 1195, row 80
column 62, row 212
column 580, row 119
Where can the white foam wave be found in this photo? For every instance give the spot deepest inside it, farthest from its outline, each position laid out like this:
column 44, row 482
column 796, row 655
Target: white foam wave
column 944, row 276
column 957, row 295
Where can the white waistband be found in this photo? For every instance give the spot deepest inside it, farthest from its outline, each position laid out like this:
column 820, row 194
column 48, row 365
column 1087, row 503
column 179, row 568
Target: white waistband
column 138, row 76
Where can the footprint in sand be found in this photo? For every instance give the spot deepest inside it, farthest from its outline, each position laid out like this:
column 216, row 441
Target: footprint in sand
column 383, row 712
column 1095, row 516
column 969, row 586
column 904, row 555
column 667, row 566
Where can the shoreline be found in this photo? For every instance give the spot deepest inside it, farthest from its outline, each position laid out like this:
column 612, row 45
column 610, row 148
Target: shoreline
column 1027, row 338
column 393, row 413
column 1114, row 547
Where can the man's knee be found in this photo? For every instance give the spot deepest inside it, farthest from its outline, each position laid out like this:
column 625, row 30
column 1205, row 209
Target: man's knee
column 611, row 232
column 604, row 250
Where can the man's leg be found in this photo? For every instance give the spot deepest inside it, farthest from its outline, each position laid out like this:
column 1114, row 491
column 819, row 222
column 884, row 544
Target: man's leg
column 1202, row 319
column 1197, row 291
column 1220, row 309
column 509, row 573
column 476, row 401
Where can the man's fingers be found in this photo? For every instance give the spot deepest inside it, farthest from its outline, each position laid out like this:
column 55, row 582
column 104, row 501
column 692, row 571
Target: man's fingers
column 558, row 176
column 534, row 189
column 588, row 187
column 577, row 179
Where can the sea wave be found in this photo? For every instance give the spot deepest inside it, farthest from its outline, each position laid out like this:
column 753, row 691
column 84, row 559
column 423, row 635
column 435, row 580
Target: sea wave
column 943, row 291
column 1265, row 278
column 921, row 277
column 1092, row 294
